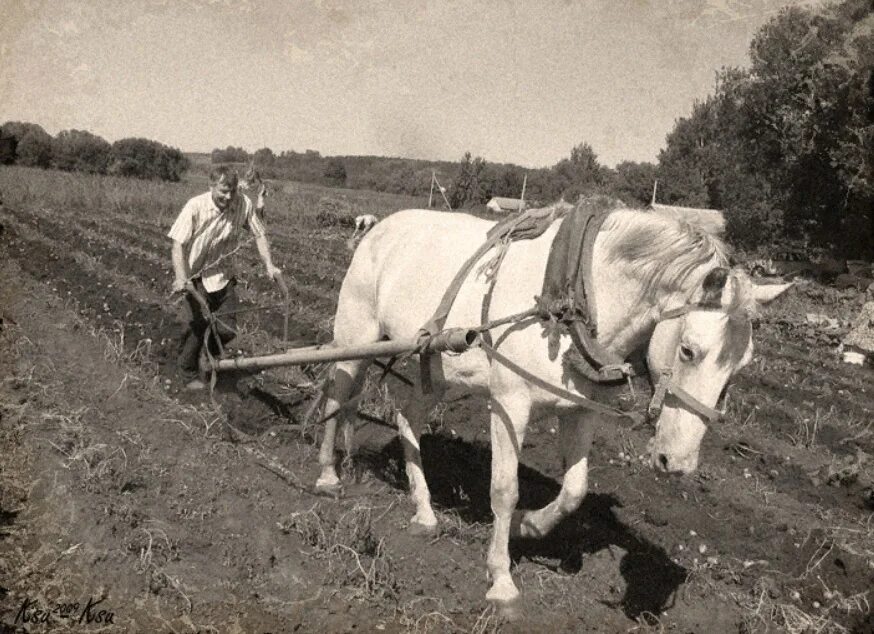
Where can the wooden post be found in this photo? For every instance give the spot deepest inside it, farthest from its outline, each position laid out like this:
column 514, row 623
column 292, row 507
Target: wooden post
column 442, row 193
column 431, row 194
column 655, row 187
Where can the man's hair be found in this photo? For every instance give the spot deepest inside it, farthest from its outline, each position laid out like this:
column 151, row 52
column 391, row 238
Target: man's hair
column 224, row 173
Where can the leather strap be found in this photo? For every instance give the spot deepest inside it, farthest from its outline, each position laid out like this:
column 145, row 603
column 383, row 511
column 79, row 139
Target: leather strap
column 560, row 392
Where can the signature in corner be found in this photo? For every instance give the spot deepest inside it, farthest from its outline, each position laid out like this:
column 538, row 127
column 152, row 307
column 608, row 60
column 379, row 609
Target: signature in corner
column 31, row 611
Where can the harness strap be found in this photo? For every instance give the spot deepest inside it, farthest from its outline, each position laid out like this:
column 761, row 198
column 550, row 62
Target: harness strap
column 435, row 324
column 595, row 406
column 567, row 295
column 494, row 236
column 667, row 385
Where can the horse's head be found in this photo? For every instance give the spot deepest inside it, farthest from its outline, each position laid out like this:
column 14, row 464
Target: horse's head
column 693, row 352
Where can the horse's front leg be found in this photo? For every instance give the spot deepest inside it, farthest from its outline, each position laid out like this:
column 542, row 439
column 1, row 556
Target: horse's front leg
column 575, row 438
column 510, row 410
column 410, row 420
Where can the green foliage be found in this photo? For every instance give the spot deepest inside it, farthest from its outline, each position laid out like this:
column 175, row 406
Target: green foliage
column 229, row 155
column 33, row 143
column 80, row 151
column 264, row 157
column 465, row 187
column 7, row 149
column 787, row 147
column 335, row 213
column 142, row 158
column 335, row 172
column 633, row 182
column 579, row 175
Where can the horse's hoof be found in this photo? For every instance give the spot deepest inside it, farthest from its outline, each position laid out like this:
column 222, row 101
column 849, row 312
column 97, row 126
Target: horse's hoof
column 508, row 610
column 422, row 530
column 524, row 528
column 328, row 490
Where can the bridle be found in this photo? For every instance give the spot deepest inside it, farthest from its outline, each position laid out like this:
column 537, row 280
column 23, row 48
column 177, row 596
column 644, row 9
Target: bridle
column 668, row 385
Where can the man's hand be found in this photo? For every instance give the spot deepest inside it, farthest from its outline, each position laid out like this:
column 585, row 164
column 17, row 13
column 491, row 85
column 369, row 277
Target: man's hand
column 262, row 194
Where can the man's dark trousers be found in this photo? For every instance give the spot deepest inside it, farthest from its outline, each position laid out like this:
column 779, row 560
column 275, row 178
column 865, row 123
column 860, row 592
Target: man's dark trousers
column 221, row 303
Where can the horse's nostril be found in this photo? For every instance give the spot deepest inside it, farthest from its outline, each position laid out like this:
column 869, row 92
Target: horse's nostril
column 663, row 461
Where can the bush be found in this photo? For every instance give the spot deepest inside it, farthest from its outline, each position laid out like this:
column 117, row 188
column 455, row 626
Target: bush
column 335, row 213
column 33, row 143
column 81, row 151
column 142, row 158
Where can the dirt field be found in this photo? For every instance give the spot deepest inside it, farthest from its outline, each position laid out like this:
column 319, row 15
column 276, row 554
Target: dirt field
column 177, row 514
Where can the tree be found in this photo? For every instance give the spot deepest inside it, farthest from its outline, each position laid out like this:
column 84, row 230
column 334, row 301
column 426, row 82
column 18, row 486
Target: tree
column 142, row 158
column 335, row 172
column 465, row 186
column 33, row 143
column 579, row 175
column 7, row 149
column 633, row 182
column 264, row 157
column 81, row 151
column 229, row 155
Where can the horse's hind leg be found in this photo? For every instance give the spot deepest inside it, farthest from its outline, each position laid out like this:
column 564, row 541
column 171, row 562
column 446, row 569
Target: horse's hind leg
column 575, row 439
column 345, row 384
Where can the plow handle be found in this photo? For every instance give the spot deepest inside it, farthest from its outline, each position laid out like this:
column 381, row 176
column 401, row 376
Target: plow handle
column 280, row 282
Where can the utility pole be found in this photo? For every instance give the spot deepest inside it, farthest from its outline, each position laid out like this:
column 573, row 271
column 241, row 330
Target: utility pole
column 524, row 183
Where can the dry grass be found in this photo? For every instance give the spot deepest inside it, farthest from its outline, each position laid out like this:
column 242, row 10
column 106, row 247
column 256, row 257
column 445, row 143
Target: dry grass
column 355, row 555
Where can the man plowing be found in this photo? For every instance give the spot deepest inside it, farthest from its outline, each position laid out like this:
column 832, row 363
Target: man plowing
column 211, row 227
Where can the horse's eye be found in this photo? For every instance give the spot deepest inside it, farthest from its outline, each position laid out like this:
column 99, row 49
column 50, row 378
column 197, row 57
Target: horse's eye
column 687, row 353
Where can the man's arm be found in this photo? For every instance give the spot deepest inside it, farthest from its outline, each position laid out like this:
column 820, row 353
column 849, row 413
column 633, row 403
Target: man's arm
column 180, row 267
column 264, row 252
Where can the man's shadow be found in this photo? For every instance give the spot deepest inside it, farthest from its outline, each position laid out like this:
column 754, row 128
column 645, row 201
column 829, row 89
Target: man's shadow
column 458, row 474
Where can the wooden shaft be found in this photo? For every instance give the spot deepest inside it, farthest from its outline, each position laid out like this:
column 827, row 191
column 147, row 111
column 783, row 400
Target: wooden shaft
column 453, row 340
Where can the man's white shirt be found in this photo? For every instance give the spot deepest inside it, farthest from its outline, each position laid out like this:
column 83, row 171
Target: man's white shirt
column 210, row 235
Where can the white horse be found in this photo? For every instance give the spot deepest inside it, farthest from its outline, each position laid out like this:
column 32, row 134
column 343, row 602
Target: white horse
column 644, row 265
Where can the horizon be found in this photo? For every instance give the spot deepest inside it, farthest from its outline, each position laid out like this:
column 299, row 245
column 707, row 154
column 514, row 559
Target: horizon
column 505, row 81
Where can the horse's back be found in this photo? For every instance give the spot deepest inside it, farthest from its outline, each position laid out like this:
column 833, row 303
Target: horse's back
column 404, row 265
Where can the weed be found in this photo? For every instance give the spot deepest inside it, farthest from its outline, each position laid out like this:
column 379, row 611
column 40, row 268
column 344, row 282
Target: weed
column 355, row 555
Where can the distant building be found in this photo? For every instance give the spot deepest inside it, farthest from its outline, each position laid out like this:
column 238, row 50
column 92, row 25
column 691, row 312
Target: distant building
column 504, row 205
column 711, row 220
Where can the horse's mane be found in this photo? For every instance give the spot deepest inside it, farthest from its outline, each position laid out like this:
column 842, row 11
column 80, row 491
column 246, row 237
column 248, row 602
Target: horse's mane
column 665, row 253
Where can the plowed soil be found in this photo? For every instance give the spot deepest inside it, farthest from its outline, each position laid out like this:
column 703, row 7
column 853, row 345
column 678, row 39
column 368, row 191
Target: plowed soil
column 175, row 513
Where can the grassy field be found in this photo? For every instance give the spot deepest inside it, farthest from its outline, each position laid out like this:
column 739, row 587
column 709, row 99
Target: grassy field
column 194, row 514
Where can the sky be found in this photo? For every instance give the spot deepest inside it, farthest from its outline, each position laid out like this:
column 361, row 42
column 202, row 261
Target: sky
column 516, row 81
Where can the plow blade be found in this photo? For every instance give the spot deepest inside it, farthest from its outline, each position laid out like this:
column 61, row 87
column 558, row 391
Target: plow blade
column 452, row 340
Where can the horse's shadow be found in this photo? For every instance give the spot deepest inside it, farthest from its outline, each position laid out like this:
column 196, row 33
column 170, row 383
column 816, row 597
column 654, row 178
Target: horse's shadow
column 458, row 474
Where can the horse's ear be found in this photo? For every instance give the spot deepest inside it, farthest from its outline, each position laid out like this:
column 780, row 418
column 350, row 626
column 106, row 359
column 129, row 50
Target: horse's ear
column 713, row 286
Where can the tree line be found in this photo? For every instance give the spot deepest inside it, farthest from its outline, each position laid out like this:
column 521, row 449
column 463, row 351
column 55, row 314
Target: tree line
column 785, row 147
column 81, row 151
